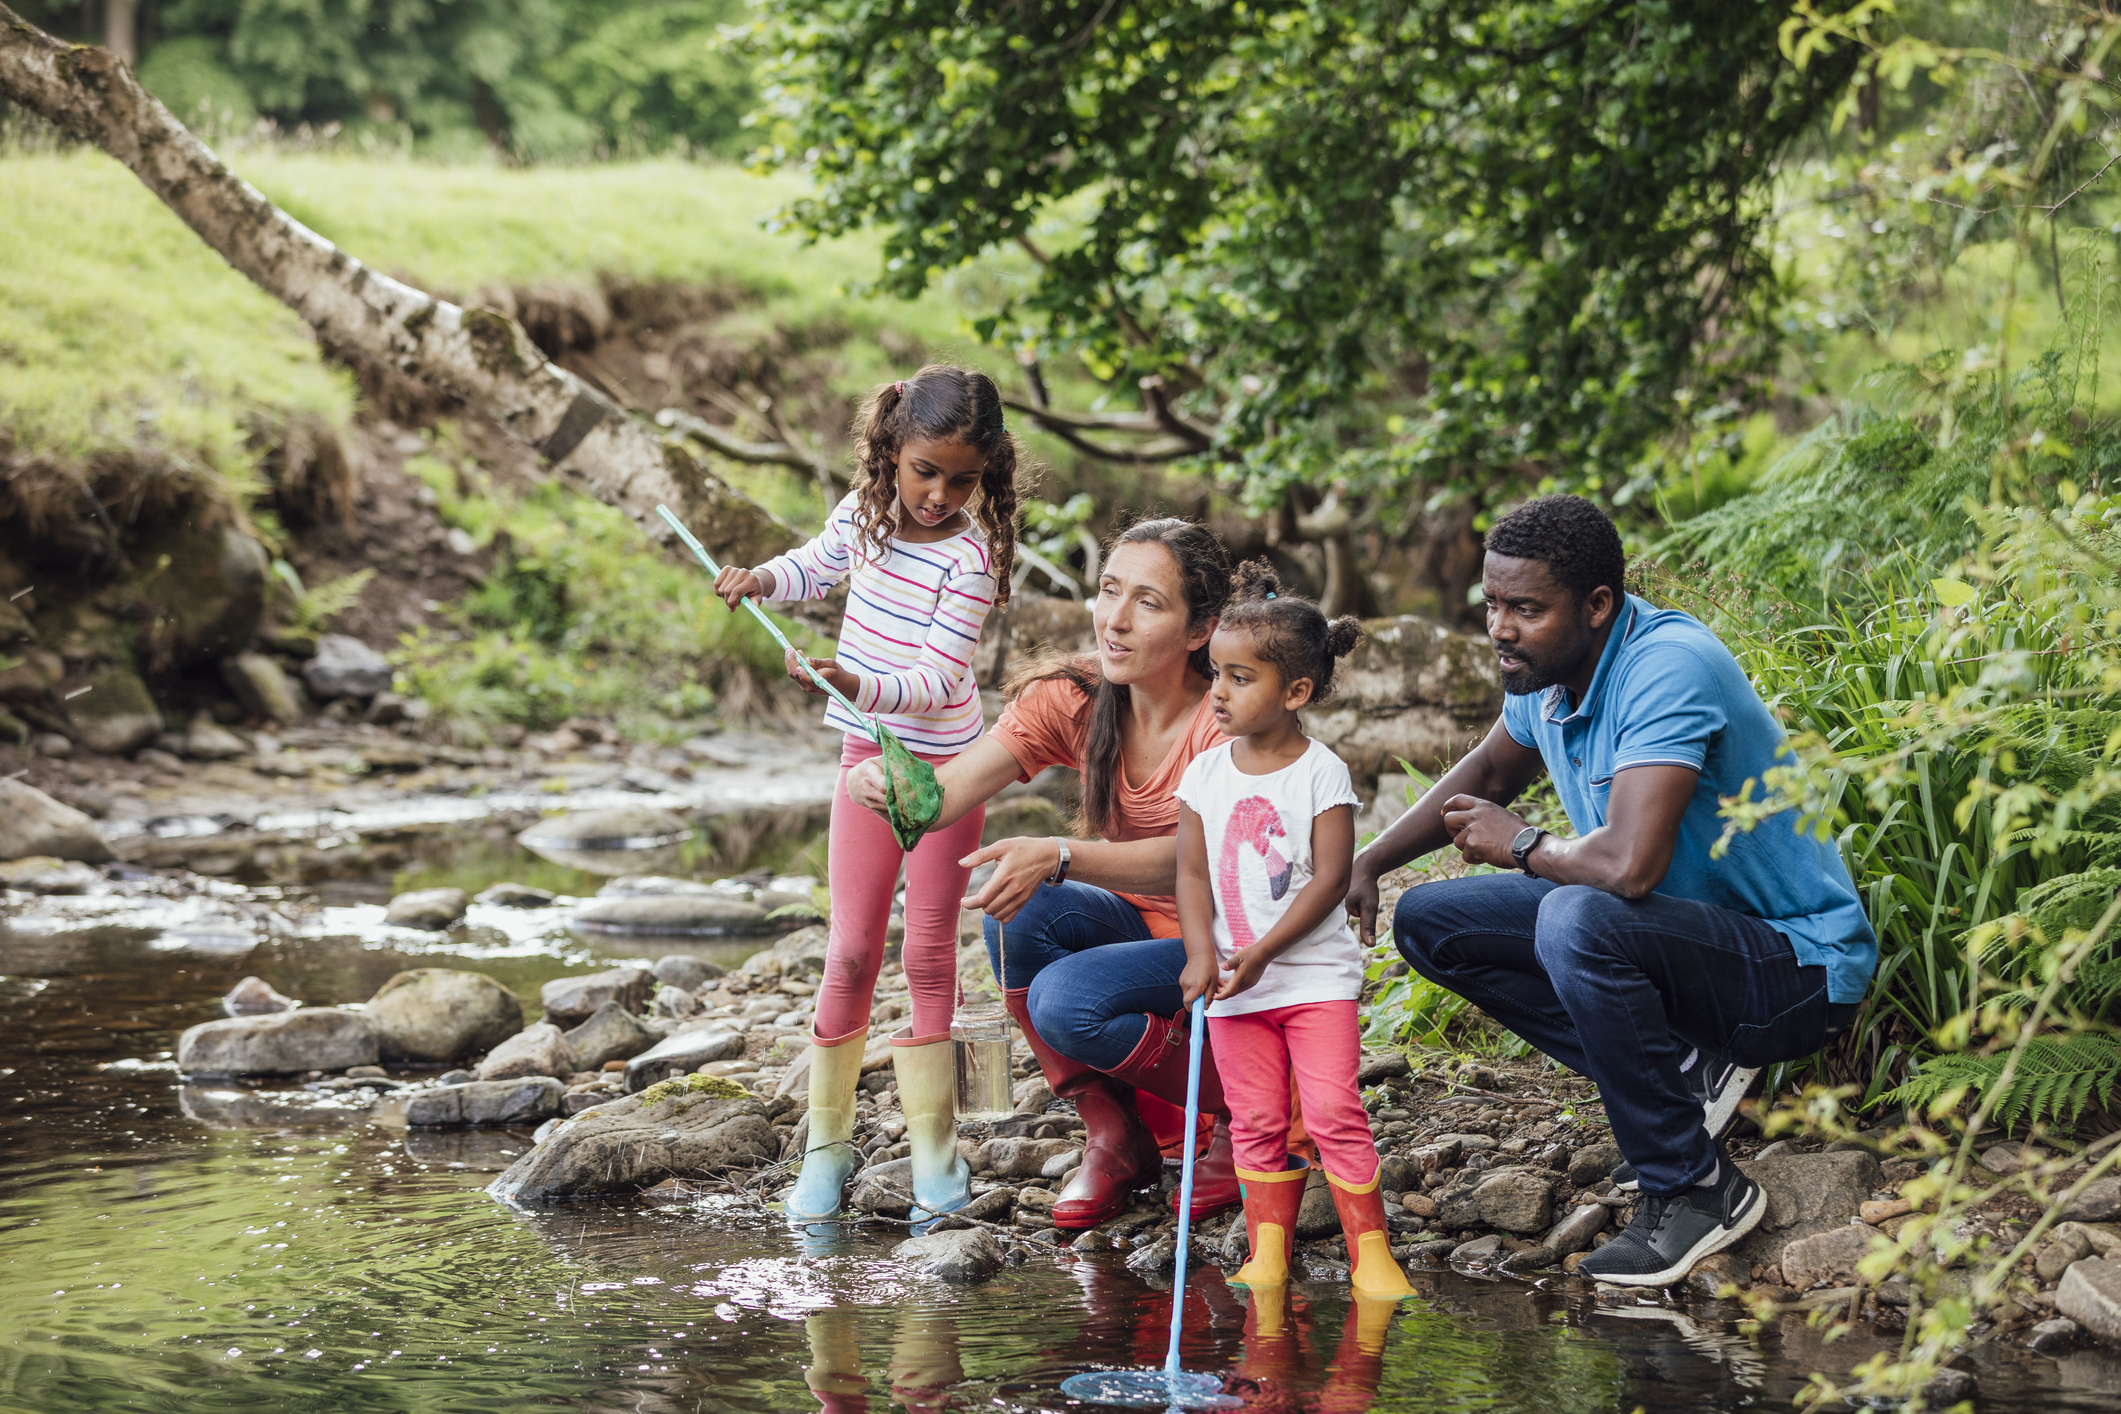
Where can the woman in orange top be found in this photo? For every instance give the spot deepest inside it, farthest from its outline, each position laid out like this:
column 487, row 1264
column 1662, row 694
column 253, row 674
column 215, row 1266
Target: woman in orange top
column 1094, row 951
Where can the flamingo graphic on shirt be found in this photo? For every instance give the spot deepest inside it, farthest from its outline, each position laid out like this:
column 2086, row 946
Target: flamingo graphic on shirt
column 1254, row 823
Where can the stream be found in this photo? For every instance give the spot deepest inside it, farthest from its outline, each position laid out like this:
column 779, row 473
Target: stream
column 214, row 1247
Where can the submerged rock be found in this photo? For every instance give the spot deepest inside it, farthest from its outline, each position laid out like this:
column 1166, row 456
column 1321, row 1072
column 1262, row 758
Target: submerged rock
column 530, row 1099
column 42, row 874
column 705, row 915
column 254, row 996
column 346, row 667
column 698, row 1127
column 628, row 840
column 610, row 1033
column 32, row 823
column 515, row 896
column 310, row 1038
column 535, row 1050
column 441, row 1014
column 570, row 1001
column 965, row 1255
column 682, row 1054
column 430, row 909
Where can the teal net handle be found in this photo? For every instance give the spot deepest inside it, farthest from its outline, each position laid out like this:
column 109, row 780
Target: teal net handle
column 869, row 727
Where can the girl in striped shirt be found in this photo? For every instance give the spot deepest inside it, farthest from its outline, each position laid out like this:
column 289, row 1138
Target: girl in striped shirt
column 925, row 542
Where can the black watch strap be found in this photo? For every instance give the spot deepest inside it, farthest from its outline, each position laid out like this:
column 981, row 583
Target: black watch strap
column 1521, row 848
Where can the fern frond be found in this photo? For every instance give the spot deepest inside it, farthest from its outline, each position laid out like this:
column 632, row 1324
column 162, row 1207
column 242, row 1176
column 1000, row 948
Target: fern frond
column 2057, row 1077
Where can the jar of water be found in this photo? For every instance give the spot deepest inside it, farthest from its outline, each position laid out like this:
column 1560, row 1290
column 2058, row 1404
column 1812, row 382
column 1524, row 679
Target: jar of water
column 979, row 1036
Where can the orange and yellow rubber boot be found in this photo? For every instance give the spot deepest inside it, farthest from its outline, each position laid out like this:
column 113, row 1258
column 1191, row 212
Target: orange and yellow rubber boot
column 1271, row 1202
column 1371, row 1269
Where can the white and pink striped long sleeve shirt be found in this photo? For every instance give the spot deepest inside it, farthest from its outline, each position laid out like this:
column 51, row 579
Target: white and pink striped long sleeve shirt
column 912, row 622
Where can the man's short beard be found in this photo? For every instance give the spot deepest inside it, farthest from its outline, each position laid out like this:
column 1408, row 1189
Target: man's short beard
column 1537, row 675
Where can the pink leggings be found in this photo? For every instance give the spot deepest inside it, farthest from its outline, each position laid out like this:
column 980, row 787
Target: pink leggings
column 863, row 858
column 1255, row 1053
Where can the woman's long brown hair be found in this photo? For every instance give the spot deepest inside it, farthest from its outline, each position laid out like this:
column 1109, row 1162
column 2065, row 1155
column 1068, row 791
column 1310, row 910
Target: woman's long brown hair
column 941, row 403
column 1204, row 581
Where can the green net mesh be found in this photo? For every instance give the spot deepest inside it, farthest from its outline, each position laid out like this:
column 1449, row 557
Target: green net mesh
column 912, row 797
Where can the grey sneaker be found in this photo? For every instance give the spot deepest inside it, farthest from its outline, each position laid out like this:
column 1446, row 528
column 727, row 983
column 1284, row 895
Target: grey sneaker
column 1669, row 1235
column 1719, row 1085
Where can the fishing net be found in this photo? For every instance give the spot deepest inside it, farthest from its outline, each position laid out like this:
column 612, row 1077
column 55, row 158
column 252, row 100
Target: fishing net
column 912, row 795
column 1150, row 1389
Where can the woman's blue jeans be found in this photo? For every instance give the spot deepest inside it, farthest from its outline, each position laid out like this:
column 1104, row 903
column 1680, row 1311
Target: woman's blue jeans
column 1619, row 990
column 1092, row 968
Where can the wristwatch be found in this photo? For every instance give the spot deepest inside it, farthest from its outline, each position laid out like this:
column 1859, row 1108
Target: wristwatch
column 1521, row 848
column 1059, row 875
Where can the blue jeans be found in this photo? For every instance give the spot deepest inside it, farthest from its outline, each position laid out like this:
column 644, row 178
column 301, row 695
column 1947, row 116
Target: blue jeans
column 1620, row 991
column 1092, row 968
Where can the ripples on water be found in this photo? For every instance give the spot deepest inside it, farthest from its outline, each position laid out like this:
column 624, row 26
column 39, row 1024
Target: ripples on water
column 215, row 1248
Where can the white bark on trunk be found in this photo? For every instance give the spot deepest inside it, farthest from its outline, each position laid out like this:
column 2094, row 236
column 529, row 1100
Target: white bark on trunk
column 121, row 28
column 477, row 355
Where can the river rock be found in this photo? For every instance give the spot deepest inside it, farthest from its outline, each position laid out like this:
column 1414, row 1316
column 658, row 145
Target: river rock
column 1413, row 689
column 310, row 1038
column 1316, row 1216
column 440, row 1014
column 692, row 1128
column 682, row 1054
column 610, row 1033
column 2067, row 1246
column 1593, row 1162
column 32, row 823
column 254, row 996
column 674, row 1003
column 685, row 972
column 1826, row 1258
column 535, row 1050
column 530, row 1099
column 799, row 954
column 702, row 915
column 199, row 592
column 2090, row 1295
column 966, row 1255
column 1807, row 1194
column 1575, row 1230
column 262, row 688
column 346, row 667
column 628, row 840
column 570, row 1001
column 42, row 874
column 885, row 1189
column 208, row 740
column 115, row 715
column 515, row 896
column 2099, row 1202
column 1155, row 1257
column 430, row 909
column 1516, row 1202
column 1373, row 1069
column 1022, row 1158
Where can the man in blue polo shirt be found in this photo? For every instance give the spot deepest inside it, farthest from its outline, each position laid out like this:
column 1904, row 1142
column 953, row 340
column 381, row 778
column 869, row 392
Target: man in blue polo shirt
column 1630, row 953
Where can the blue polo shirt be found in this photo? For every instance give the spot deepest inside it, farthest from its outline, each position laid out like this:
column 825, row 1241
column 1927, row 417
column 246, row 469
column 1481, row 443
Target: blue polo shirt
column 1668, row 693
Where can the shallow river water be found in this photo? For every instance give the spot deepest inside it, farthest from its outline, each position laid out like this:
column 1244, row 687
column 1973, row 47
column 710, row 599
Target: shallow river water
column 167, row 1248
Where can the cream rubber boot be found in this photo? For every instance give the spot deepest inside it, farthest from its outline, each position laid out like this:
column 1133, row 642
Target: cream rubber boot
column 927, row 1097
column 828, row 1153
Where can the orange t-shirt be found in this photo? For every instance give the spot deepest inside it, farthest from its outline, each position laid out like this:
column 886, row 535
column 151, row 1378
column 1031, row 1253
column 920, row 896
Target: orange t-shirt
column 1046, row 725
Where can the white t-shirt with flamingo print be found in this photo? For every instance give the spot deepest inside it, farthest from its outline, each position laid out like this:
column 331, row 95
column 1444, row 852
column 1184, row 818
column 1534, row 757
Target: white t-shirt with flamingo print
column 1259, row 859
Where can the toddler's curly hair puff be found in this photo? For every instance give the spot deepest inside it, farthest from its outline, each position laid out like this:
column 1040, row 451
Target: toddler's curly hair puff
column 1288, row 629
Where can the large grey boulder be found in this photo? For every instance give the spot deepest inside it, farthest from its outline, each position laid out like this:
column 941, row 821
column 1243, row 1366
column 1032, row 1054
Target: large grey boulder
column 531, row 1099
column 199, row 591
column 262, row 688
column 430, row 909
column 570, row 1001
column 1412, row 690
column 682, row 1054
column 346, row 667
column 535, row 1050
column 311, row 1038
column 32, row 823
column 2090, row 1295
column 698, row 1127
column 1807, row 1194
column 114, row 715
column 966, row 1255
column 611, row 1033
column 701, row 915
column 1826, row 1258
column 441, row 1014
column 1516, row 1202
column 629, row 840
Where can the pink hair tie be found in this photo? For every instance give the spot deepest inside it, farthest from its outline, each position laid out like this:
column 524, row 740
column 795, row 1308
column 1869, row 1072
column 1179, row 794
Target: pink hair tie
column 902, row 388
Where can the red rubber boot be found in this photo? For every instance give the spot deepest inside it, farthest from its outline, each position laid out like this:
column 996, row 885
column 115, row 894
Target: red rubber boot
column 1119, row 1153
column 1157, row 1066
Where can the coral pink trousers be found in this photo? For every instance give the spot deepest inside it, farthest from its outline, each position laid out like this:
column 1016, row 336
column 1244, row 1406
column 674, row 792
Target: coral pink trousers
column 862, row 873
column 1318, row 1042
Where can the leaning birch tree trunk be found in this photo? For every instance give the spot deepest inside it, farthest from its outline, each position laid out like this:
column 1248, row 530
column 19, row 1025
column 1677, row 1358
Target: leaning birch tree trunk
column 477, row 355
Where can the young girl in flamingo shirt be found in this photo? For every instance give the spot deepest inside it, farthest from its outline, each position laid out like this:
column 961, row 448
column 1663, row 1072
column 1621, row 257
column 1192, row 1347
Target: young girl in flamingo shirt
column 1266, row 840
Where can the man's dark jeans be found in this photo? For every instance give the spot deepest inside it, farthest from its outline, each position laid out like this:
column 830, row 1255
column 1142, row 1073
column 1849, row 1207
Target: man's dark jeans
column 1620, row 991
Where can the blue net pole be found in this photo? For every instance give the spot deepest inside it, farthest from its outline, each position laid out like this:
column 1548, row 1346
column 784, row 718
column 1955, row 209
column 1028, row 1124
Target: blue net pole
column 1185, row 1182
